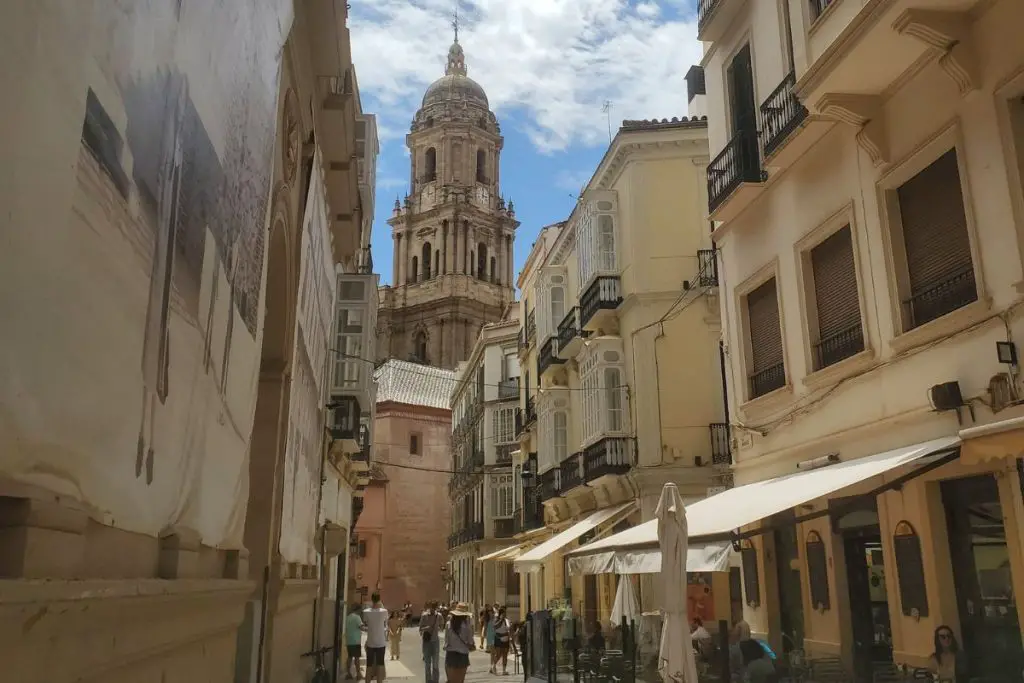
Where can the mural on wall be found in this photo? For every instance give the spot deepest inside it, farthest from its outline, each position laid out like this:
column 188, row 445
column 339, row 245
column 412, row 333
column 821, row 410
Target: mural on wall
column 164, row 246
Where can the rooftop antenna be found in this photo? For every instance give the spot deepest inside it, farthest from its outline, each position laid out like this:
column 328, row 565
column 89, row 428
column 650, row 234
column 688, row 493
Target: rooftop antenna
column 607, row 109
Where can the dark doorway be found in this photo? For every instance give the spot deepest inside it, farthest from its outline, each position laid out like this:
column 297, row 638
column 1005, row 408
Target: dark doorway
column 743, row 106
column 791, row 612
column 590, row 599
column 989, row 624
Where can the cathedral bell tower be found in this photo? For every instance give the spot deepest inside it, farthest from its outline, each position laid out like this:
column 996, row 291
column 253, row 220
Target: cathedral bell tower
column 454, row 232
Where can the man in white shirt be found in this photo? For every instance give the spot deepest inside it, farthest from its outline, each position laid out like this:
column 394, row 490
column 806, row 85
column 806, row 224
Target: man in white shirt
column 376, row 619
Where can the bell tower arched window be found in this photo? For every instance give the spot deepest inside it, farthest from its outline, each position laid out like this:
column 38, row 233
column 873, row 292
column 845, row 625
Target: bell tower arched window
column 494, row 270
column 430, row 164
column 426, row 260
column 419, row 346
column 481, row 166
column 414, row 271
column 481, row 261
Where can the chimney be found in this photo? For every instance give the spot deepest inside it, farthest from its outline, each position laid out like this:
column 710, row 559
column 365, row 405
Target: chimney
column 696, row 92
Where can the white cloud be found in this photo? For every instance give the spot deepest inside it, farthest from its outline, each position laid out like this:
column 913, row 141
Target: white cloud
column 555, row 61
column 572, row 181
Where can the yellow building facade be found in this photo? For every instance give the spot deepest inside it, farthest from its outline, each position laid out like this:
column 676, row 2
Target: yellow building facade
column 866, row 191
column 621, row 376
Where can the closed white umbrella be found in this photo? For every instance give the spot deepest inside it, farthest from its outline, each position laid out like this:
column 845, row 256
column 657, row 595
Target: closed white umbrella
column 625, row 602
column 676, row 660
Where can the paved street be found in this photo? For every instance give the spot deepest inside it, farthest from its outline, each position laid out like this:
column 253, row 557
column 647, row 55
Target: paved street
column 410, row 665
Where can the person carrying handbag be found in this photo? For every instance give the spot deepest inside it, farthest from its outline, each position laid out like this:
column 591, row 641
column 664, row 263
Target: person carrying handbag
column 502, row 640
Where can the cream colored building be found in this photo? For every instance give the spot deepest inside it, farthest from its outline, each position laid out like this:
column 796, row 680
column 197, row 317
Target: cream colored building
column 866, row 188
column 482, row 488
column 170, row 234
column 453, row 232
column 621, row 379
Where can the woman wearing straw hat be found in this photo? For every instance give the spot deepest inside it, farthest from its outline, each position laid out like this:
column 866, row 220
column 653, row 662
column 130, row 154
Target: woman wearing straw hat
column 458, row 644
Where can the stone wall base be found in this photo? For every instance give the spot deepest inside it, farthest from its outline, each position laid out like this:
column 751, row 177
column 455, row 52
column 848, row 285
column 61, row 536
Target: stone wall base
column 127, row 631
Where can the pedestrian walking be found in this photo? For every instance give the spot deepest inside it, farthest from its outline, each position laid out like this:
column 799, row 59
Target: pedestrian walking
column 395, row 624
column 354, row 628
column 486, row 617
column 432, row 622
column 458, row 644
column 502, row 638
column 376, row 619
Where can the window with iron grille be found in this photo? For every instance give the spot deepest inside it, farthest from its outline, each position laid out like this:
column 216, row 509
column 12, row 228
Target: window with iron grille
column 837, row 332
column 504, row 425
column 768, row 370
column 936, row 244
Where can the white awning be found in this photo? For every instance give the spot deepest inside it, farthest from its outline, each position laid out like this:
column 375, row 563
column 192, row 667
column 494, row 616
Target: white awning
column 505, row 554
column 706, row 557
column 737, row 507
column 535, row 557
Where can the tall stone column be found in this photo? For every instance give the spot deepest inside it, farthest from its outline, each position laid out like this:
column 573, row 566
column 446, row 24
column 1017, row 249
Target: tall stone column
column 499, row 272
column 459, row 247
column 510, row 251
column 407, row 243
column 396, row 276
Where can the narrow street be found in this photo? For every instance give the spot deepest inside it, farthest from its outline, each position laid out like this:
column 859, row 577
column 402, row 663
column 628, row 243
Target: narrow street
column 410, row 664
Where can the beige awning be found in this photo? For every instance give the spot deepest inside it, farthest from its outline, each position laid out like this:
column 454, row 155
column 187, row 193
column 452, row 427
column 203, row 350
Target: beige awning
column 535, row 557
column 503, row 555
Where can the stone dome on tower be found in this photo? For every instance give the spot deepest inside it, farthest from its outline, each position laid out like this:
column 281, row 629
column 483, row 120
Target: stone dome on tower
column 455, row 86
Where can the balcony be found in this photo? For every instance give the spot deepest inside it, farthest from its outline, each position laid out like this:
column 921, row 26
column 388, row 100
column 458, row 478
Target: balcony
column 714, row 17
column 839, row 346
column 707, row 268
column 550, row 485
column 520, row 423
column 735, row 176
column 572, row 472
column 503, row 453
column 336, row 90
column 473, row 532
column 956, row 291
column 721, row 443
column 345, row 425
column 363, row 454
column 504, row 528
column 525, row 417
column 612, row 455
column 768, row 380
column 548, row 357
column 508, row 389
column 570, row 335
column 531, row 516
column 599, row 301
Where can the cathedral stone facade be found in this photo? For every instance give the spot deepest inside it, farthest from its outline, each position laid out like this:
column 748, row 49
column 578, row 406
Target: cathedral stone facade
column 453, row 234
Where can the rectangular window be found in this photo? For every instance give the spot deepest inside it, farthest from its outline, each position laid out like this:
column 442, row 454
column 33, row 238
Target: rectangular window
column 349, row 364
column 502, row 496
column 351, row 290
column 936, row 244
column 604, row 395
column 504, row 425
column 561, row 436
column 414, row 444
column 836, row 301
column 768, row 370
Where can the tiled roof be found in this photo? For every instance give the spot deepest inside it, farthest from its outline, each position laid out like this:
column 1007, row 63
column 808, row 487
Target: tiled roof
column 674, row 122
column 399, row 381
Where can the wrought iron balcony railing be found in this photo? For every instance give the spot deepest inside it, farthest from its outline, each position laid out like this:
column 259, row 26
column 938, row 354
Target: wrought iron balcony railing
column 531, row 515
column 610, row 455
column 768, row 380
column 707, row 268
column 530, row 413
column 721, row 443
column 839, row 346
column 572, row 472
column 508, row 389
column 569, row 329
column 705, row 8
column 781, row 114
column 531, row 326
column 956, row 291
column 548, row 355
column 604, row 293
column 550, row 485
column 738, row 163
column 504, row 528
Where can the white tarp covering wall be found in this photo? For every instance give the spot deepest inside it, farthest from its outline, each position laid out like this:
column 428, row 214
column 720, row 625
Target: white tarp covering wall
column 305, row 444
column 133, row 265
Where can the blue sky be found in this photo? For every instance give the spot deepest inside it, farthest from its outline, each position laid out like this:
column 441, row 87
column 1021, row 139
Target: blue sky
column 547, row 68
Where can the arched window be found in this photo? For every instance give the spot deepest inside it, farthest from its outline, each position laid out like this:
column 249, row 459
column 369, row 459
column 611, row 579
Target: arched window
column 481, row 261
column 481, row 171
column 419, row 346
column 426, row 260
column 414, row 272
column 494, row 269
column 431, row 164
column 472, row 263
column 437, row 262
